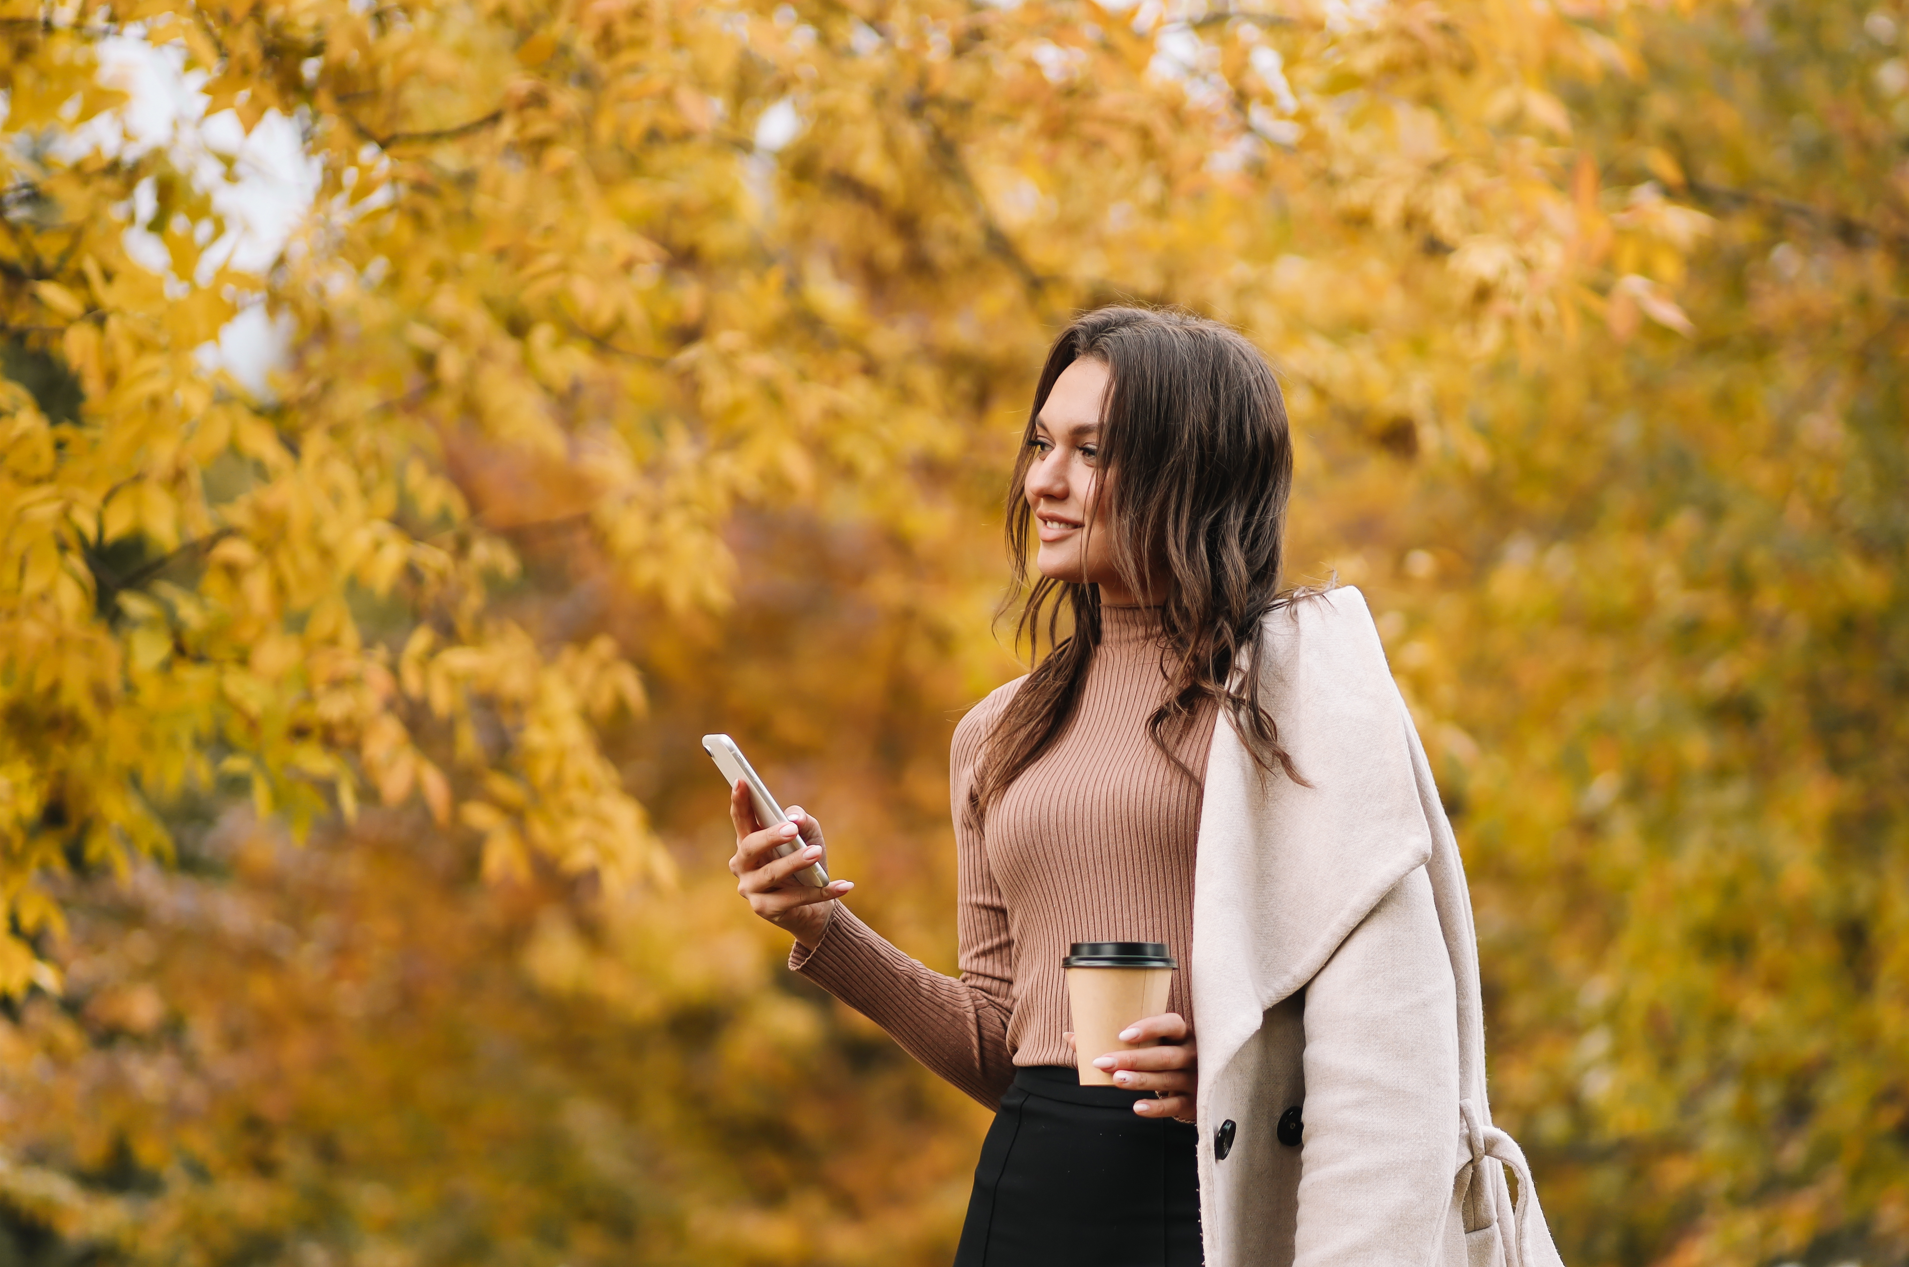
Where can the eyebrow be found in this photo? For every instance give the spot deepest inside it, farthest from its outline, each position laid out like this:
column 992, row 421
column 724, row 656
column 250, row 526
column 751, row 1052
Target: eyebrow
column 1075, row 432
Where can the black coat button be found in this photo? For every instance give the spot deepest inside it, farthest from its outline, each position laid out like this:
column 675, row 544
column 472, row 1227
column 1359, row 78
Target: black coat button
column 1223, row 1139
column 1291, row 1127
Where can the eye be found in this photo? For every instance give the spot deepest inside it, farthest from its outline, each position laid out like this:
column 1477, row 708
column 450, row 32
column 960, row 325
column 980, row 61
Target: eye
column 1091, row 452
column 1040, row 446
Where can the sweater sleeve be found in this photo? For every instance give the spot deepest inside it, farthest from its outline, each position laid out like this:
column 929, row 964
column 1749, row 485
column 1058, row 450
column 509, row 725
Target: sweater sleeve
column 1381, row 1077
column 957, row 1027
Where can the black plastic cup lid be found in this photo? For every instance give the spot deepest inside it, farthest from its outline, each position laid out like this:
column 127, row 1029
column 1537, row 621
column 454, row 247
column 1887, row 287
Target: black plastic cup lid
column 1119, row 954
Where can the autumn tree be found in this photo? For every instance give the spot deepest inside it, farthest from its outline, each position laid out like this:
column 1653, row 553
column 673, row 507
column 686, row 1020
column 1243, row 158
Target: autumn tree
column 654, row 370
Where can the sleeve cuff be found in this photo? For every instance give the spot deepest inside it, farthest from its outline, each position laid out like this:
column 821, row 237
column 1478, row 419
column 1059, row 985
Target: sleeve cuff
column 834, row 950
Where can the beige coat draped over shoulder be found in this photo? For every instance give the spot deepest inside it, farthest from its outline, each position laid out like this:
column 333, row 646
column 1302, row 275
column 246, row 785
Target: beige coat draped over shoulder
column 1335, row 970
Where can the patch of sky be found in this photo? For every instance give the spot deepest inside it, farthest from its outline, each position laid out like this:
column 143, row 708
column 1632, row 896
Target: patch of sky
column 864, row 39
column 261, row 184
column 1020, row 200
column 778, row 125
column 1060, row 65
column 1271, row 69
column 1347, row 15
column 1180, row 55
column 1182, row 50
column 1275, row 129
column 1234, row 156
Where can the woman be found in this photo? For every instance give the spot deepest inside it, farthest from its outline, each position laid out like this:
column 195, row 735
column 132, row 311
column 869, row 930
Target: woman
column 1214, row 763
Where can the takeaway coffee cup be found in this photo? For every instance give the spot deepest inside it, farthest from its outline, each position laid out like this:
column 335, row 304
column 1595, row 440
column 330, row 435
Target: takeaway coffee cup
column 1110, row 985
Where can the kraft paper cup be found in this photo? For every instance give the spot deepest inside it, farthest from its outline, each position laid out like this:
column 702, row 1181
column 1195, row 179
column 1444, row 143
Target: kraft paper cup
column 1110, row 985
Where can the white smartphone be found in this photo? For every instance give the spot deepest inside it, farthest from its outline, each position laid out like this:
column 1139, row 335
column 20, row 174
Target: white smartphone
column 729, row 759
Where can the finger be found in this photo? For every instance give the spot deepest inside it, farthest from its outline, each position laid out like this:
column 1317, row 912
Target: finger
column 777, row 873
column 1179, row 1106
column 783, row 870
column 742, row 810
column 806, row 824
column 1171, row 1080
column 757, row 849
column 780, row 875
column 1168, row 1027
column 779, row 902
column 1167, row 1056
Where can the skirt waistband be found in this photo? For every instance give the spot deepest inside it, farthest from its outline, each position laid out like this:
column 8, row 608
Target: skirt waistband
column 1062, row 1083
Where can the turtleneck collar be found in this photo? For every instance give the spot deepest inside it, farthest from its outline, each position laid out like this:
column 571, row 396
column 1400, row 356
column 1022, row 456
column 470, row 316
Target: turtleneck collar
column 1129, row 626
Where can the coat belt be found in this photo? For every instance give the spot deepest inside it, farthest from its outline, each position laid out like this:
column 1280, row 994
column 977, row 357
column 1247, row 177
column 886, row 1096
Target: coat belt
column 1481, row 1140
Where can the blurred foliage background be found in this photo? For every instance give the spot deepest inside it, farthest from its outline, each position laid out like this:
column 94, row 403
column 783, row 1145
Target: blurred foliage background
column 652, row 368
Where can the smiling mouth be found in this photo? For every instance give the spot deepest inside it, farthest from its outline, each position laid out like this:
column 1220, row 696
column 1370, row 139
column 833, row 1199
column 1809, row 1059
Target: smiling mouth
column 1048, row 521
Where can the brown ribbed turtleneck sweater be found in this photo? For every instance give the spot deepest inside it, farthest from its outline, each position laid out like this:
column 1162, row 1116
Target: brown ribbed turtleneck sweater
column 1093, row 842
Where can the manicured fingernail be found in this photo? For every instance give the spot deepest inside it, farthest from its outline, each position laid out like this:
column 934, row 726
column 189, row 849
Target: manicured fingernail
column 1122, row 1078
column 813, row 851
column 1143, row 1106
column 787, row 829
column 1128, row 1035
column 794, row 811
column 1103, row 1062
column 843, row 886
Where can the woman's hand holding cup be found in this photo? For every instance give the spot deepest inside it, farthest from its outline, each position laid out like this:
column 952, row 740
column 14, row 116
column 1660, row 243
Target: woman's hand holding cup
column 769, row 883
column 1170, row 1070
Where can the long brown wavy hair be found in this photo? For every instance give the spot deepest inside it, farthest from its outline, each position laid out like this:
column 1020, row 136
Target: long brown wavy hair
column 1197, row 461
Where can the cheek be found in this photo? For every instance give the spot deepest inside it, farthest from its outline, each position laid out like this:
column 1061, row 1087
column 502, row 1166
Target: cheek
column 1093, row 495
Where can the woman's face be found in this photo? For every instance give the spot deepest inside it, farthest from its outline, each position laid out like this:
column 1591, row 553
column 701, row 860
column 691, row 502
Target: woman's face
column 1064, row 487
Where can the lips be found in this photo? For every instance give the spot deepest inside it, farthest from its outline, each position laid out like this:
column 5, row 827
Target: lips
column 1053, row 528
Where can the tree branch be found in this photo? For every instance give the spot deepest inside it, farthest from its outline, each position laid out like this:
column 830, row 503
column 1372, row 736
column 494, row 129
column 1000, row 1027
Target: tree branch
column 46, row 27
column 1846, row 229
column 427, row 136
column 1220, row 19
column 948, row 155
column 111, row 586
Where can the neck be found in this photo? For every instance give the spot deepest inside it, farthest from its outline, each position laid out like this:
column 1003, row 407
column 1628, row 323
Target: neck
column 1124, row 628
column 1115, row 593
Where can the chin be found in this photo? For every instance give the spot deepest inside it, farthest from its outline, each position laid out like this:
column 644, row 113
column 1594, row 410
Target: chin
column 1056, row 567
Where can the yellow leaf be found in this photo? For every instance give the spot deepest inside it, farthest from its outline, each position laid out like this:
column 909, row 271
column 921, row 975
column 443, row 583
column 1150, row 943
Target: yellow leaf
column 42, row 566
column 505, row 858
column 60, row 299
column 16, row 966
column 204, row 51
column 398, row 777
column 480, row 816
column 158, row 513
column 1664, row 167
column 437, row 792
column 151, row 647
column 536, row 50
column 695, row 108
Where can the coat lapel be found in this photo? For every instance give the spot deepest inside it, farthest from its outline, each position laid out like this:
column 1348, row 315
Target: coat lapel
column 1285, row 872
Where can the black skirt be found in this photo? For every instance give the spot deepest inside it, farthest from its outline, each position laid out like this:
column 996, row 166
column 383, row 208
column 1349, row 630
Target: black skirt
column 1071, row 1176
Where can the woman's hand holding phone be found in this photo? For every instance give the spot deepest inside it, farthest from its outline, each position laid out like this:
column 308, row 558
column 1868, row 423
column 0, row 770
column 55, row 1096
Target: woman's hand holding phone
column 769, row 883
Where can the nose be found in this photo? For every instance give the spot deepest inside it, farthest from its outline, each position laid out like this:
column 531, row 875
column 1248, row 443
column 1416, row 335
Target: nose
column 1047, row 478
